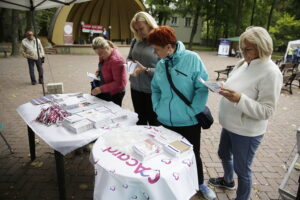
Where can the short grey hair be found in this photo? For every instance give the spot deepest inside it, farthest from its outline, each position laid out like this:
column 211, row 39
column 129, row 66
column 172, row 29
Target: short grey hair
column 142, row 17
column 260, row 38
column 101, row 43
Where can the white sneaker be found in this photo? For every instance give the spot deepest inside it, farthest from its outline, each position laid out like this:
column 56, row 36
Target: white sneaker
column 207, row 193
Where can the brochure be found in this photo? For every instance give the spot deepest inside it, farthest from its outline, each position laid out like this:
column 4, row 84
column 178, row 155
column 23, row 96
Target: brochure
column 130, row 67
column 213, row 86
column 92, row 76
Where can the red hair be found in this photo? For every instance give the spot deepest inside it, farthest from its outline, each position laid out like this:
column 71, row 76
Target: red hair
column 162, row 36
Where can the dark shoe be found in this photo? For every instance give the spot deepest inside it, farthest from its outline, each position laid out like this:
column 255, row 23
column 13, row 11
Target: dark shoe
column 41, row 82
column 220, row 182
column 33, row 83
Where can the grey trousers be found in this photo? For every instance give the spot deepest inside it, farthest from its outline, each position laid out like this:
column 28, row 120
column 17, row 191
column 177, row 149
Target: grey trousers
column 39, row 66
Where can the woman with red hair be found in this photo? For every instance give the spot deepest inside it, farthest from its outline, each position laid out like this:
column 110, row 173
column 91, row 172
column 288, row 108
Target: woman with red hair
column 179, row 69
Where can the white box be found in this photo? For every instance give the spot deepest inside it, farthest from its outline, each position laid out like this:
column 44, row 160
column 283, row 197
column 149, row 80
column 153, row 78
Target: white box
column 98, row 119
column 79, row 126
column 55, row 88
column 73, row 118
column 72, row 102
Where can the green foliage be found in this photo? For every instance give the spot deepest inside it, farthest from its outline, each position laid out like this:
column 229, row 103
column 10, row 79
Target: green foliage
column 43, row 20
column 286, row 28
column 160, row 9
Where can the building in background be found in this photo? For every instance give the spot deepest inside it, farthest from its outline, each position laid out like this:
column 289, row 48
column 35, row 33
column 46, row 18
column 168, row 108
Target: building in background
column 113, row 15
column 183, row 28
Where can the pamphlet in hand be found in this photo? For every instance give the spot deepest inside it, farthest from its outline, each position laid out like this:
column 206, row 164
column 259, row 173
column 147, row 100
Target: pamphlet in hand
column 213, row 86
column 131, row 67
column 93, row 76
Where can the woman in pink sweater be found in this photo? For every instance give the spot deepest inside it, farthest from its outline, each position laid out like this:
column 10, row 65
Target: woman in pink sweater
column 111, row 72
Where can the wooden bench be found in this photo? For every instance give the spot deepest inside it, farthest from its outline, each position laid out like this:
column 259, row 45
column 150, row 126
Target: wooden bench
column 288, row 68
column 224, row 71
column 4, row 50
column 288, row 81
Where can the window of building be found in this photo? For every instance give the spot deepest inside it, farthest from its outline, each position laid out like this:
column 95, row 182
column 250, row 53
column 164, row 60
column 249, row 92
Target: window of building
column 174, row 21
column 188, row 21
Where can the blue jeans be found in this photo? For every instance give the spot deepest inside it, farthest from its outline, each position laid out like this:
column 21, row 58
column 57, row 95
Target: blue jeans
column 237, row 153
column 38, row 64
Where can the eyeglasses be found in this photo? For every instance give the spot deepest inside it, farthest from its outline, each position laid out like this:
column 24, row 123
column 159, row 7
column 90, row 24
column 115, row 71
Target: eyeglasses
column 247, row 49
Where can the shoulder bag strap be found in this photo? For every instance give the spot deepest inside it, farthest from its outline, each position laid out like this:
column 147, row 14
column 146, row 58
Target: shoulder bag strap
column 181, row 96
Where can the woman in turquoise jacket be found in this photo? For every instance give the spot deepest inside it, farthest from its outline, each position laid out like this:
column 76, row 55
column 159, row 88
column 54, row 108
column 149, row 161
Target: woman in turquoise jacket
column 185, row 67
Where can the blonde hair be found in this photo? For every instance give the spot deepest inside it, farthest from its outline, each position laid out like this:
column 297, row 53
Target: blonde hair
column 260, row 38
column 101, row 43
column 142, row 17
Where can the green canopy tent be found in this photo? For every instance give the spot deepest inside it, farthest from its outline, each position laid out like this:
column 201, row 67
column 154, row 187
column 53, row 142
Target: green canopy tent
column 232, row 46
column 229, row 46
column 233, row 39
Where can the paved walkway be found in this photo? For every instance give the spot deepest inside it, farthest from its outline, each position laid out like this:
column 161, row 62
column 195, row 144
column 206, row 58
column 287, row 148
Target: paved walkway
column 22, row 179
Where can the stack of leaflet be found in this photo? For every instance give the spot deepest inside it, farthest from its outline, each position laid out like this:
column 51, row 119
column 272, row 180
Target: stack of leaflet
column 98, row 119
column 72, row 102
column 146, row 149
column 45, row 99
column 173, row 143
column 178, row 147
column 117, row 114
column 77, row 124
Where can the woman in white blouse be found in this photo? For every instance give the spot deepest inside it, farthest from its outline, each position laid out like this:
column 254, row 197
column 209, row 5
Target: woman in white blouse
column 250, row 95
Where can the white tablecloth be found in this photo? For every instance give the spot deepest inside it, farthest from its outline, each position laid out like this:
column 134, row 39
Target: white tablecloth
column 120, row 175
column 58, row 137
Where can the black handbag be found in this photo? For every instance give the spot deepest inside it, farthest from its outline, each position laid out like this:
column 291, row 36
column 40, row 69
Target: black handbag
column 205, row 117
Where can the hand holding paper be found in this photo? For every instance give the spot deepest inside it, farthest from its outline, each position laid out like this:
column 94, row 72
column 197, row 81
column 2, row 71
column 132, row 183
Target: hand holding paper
column 213, row 86
column 92, row 76
column 131, row 67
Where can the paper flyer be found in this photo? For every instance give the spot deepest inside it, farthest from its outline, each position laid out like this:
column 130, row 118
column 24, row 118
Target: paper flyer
column 131, row 67
column 213, row 86
column 92, row 76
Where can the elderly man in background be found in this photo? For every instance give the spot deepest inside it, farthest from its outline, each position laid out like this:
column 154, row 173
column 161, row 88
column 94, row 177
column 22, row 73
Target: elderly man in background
column 29, row 50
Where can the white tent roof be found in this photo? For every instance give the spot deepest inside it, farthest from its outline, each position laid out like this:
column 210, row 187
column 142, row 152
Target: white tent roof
column 36, row 4
column 291, row 43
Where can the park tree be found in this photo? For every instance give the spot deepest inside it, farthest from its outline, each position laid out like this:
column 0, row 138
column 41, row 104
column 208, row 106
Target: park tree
column 270, row 14
column 253, row 12
column 286, row 28
column 160, row 9
column 14, row 30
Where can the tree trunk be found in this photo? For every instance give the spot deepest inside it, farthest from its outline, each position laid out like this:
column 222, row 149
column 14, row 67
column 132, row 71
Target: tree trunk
column 160, row 19
column 253, row 11
column 1, row 24
column 28, row 21
column 217, row 22
column 195, row 24
column 207, row 31
column 270, row 14
column 165, row 21
column 226, row 27
column 14, row 31
column 239, row 17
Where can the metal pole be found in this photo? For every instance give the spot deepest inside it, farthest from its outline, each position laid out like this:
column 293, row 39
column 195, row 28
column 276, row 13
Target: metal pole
column 37, row 43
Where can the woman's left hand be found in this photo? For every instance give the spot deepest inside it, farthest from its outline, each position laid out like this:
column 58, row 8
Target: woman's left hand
column 139, row 69
column 96, row 91
column 231, row 95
